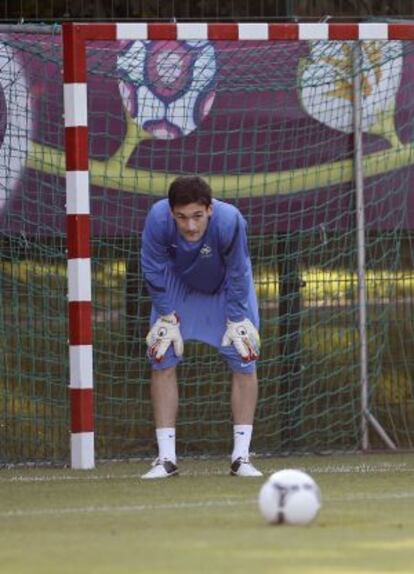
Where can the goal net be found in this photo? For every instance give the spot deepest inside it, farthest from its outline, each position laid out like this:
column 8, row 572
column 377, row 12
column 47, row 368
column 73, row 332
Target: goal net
column 267, row 115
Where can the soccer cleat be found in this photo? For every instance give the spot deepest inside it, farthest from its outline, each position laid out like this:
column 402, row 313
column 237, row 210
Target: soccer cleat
column 243, row 467
column 161, row 469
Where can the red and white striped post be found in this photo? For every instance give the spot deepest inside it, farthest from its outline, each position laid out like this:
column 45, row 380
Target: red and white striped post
column 77, row 175
column 75, row 35
column 78, row 251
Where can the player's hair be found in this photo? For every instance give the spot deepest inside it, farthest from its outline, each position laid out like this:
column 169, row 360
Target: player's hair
column 187, row 189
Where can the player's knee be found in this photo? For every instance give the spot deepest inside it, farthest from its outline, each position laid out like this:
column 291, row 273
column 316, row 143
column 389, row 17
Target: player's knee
column 245, row 378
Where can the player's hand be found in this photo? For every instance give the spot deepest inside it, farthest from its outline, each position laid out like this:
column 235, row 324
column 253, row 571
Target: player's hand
column 165, row 332
column 245, row 337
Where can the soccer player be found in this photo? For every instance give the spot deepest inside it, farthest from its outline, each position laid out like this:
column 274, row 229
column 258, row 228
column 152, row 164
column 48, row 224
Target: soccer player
column 197, row 268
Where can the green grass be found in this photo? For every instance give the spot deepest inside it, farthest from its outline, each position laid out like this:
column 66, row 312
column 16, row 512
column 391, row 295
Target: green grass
column 107, row 521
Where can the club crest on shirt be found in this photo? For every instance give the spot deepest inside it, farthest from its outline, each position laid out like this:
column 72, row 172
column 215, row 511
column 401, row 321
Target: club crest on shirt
column 206, row 251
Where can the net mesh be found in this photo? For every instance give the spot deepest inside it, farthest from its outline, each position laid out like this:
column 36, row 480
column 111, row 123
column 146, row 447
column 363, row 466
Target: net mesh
column 270, row 126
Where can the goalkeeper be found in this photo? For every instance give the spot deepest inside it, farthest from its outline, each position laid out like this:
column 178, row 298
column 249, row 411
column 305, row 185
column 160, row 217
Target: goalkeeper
column 197, row 268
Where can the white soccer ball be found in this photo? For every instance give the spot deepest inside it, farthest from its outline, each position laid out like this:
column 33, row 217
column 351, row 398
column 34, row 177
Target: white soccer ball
column 289, row 497
column 167, row 88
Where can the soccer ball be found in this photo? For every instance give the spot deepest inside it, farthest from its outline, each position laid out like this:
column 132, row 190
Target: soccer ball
column 167, row 88
column 289, row 497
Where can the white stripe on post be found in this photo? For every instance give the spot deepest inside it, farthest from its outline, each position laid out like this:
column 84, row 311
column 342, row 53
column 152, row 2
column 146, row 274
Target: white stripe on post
column 77, row 192
column 254, row 31
column 81, row 366
column 129, row 31
column 373, row 31
column 79, row 279
column 76, row 107
column 82, row 450
column 189, row 31
column 313, row 31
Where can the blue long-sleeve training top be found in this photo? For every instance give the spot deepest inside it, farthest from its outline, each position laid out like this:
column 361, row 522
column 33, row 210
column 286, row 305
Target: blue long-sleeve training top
column 219, row 260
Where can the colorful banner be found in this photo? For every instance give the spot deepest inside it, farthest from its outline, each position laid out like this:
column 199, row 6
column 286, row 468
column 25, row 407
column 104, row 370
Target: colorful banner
column 269, row 124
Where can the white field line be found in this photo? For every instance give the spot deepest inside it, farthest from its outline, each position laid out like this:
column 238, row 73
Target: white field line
column 220, row 503
column 323, row 469
column 120, row 509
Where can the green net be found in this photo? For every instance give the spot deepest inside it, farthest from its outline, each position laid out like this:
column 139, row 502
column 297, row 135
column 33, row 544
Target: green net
column 270, row 126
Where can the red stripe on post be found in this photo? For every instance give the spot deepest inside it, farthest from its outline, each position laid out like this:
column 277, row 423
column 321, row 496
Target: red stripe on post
column 82, row 419
column 74, row 57
column 98, row 31
column 76, row 147
column 400, row 31
column 223, row 32
column 343, row 32
column 162, row 31
column 78, row 235
column 283, row 31
column 80, row 322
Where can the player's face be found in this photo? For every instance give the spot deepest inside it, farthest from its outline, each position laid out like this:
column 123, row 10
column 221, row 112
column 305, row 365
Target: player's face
column 192, row 220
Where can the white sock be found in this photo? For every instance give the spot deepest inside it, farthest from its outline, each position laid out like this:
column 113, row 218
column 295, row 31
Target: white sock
column 166, row 444
column 242, row 435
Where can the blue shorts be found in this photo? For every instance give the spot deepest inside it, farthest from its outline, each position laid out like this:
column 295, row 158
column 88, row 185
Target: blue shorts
column 203, row 318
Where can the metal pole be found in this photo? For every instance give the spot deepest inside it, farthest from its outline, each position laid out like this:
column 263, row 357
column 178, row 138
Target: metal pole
column 360, row 224
column 366, row 415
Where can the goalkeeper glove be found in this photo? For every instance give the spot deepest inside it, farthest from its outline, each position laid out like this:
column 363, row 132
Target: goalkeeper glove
column 245, row 337
column 164, row 332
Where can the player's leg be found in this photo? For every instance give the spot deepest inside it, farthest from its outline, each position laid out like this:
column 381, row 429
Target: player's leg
column 243, row 402
column 244, row 397
column 164, row 396
column 244, row 393
column 164, row 393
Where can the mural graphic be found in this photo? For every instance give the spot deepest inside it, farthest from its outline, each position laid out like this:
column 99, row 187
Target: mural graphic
column 327, row 87
column 269, row 125
column 167, row 88
column 15, row 121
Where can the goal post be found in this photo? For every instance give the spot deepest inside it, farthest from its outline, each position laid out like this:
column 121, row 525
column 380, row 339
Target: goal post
column 75, row 37
column 307, row 129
